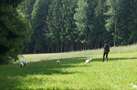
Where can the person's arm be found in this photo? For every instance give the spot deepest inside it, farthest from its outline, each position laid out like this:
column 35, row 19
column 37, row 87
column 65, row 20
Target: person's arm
column 104, row 46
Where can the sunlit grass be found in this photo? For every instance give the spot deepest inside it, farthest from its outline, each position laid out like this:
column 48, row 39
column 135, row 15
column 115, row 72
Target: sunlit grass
column 124, row 49
column 47, row 56
column 72, row 73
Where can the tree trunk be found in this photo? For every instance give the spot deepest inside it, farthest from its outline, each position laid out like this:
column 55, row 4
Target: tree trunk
column 61, row 47
column 48, row 50
column 77, row 46
column 82, row 46
column 115, row 30
column 35, row 47
column 96, row 44
column 65, row 48
column 27, row 48
column 85, row 47
column 72, row 46
column 58, row 49
column 52, row 49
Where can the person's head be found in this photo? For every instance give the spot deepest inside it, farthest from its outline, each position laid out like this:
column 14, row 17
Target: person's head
column 105, row 41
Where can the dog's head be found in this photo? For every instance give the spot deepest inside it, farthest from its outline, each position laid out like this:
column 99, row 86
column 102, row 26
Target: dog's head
column 90, row 59
column 58, row 62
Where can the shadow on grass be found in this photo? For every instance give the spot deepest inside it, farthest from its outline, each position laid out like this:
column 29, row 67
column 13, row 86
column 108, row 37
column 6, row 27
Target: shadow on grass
column 46, row 67
column 11, row 75
column 49, row 67
column 10, row 83
column 111, row 59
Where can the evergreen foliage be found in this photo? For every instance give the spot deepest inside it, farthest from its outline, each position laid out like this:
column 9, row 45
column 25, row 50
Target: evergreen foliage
column 70, row 25
column 114, row 9
column 39, row 15
column 81, row 20
column 65, row 25
column 13, row 31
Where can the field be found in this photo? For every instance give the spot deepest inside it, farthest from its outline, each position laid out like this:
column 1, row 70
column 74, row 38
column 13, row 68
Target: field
column 42, row 72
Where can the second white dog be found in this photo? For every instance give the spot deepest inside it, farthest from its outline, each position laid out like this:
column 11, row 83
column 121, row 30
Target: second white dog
column 21, row 64
column 24, row 62
column 58, row 62
column 88, row 60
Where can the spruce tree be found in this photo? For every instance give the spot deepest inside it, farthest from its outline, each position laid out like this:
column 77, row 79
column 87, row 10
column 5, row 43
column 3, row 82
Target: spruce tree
column 13, row 31
column 114, row 8
column 81, row 20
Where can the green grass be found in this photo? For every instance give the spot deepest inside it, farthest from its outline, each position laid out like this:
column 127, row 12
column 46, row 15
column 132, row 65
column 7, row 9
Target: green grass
column 42, row 72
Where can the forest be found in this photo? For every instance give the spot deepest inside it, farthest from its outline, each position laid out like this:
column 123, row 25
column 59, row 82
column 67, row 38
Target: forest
column 53, row 26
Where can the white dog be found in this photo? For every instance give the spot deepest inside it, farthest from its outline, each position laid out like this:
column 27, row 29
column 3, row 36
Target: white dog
column 24, row 62
column 88, row 60
column 58, row 62
column 21, row 64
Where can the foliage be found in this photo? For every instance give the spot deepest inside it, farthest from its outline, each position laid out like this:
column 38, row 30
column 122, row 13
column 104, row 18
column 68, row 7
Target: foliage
column 81, row 16
column 114, row 9
column 13, row 32
column 71, row 25
column 38, row 21
column 127, row 24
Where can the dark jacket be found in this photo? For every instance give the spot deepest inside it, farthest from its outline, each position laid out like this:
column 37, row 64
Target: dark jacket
column 106, row 48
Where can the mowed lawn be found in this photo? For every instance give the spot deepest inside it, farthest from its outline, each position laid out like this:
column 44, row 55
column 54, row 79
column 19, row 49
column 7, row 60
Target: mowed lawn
column 116, row 74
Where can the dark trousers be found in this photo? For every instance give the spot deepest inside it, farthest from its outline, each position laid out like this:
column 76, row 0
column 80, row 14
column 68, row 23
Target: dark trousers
column 105, row 53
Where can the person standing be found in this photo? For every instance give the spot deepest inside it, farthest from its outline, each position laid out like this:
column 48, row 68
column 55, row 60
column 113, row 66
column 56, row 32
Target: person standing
column 106, row 50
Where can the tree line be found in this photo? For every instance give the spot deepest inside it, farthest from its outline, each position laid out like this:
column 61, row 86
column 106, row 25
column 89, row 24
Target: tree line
column 50, row 26
column 70, row 25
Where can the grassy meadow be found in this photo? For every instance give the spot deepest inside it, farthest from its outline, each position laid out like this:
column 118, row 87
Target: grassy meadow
column 42, row 73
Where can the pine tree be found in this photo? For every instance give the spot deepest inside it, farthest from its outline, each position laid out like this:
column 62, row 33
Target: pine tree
column 81, row 20
column 68, row 31
column 114, row 8
column 13, row 31
column 39, row 15
column 127, row 24
column 54, row 22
